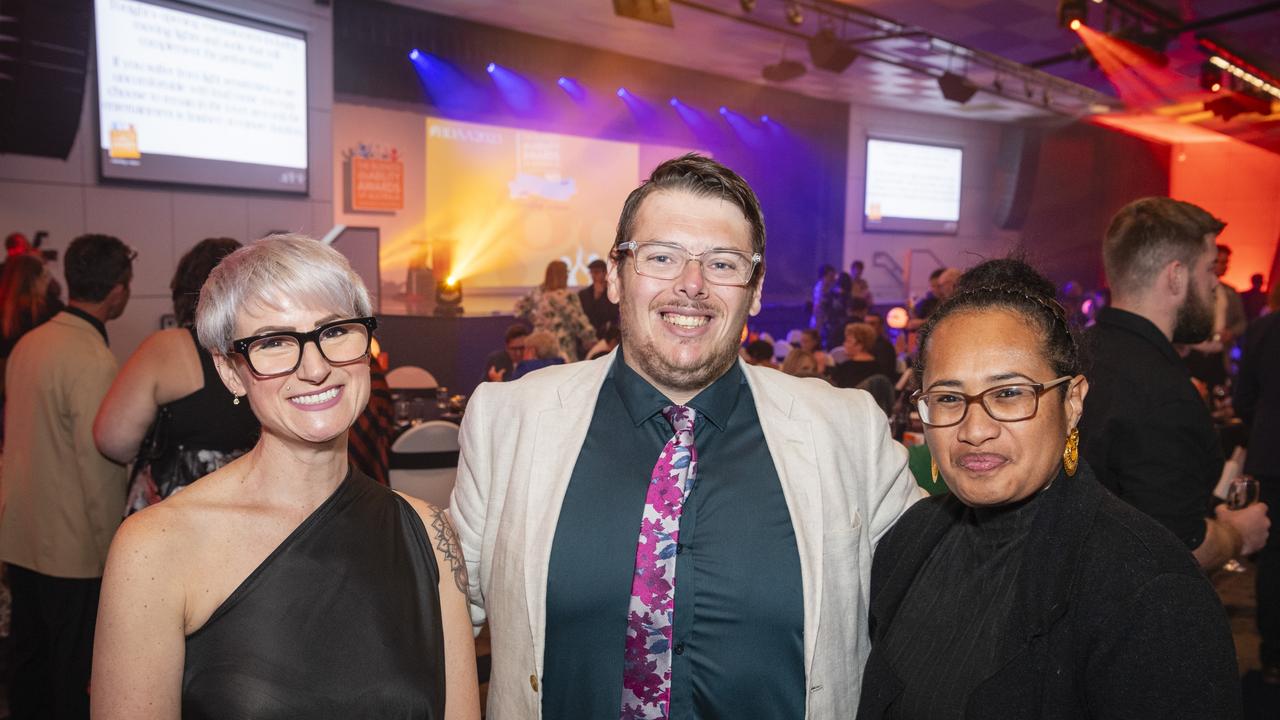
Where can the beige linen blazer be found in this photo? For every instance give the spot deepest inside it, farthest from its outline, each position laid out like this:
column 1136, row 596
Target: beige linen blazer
column 844, row 479
column 61, row 499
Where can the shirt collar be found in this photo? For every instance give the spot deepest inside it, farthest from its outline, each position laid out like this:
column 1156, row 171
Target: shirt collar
column 642, row 400
column 95, row 322
column 1142, row 327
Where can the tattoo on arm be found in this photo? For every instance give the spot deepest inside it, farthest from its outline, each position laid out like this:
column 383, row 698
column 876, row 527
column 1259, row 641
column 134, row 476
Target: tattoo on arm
column 450, row 548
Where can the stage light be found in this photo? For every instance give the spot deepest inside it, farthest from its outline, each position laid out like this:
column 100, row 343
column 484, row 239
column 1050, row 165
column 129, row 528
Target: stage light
column 490, row 68
column 414, row 54
column 1215, row 87
column 784, row 70
column 795, row 15
column 724, row 110
column 829, row 52
column 675, row 102
column 1072, row 13
column 956, row 88
column 449, row 297
column 764, row 119
column 563, row 82
column 897, row 318
column 622, row 92
column 1210, row 77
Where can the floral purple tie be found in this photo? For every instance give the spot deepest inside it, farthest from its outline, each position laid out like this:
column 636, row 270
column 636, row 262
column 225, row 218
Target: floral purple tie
column 646, row 673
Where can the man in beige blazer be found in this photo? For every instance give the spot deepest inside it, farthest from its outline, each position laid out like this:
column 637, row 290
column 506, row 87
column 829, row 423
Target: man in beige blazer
column 795, row 481
column 61, row 499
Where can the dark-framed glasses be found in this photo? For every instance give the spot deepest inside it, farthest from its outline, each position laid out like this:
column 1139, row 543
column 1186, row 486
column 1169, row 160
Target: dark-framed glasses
column 666, row 261
column 280, row 353
column 1006, row 403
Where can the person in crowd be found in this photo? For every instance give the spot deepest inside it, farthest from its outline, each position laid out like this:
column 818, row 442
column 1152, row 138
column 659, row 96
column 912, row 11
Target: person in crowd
column 859, row 338
column 1209, row 361
column 656, row 483
column 169, row 394
column 1257, row 402
column 16, row 244
column 886, row 357
column 759, row 353
column 61, row 500
column 1146, row 432
column 931, row 299
column 837, row 310
column 801, row 363
column 24, row 304
column 811, row 340
column 817, row 312
column 607, row 342
column 1254, row 300
column 540, row 350
column 600, row 310
column 553, row 308
column 1029, row 591
column 859, row 290
column 286, row 583
column 500, row 363
column 369, row 443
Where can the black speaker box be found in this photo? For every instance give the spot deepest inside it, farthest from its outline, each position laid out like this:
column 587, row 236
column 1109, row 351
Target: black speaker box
column 44, row 59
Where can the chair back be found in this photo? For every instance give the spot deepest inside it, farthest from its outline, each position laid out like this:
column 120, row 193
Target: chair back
column 424, row 461
column 411, row 377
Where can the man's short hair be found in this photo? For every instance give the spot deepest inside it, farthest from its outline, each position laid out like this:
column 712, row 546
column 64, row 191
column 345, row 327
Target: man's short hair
column 515, row 332
column 1148, row 234
column 597, row 264
column 936, row 272
column 94, row 264
column 1223, row 249
column 703, row 177
column 544, row 345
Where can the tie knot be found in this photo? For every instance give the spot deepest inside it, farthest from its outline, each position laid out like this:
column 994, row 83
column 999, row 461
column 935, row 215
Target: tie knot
column 680, row 417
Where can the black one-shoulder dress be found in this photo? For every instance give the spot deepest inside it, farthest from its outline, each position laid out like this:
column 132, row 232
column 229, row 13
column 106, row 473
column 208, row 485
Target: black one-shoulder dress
column 341, row 621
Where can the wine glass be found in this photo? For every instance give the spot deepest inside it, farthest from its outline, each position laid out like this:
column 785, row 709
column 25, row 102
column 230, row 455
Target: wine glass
column 1243, row 493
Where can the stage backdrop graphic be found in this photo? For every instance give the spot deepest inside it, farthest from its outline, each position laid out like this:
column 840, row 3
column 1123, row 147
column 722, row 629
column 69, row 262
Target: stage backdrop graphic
column 502, row 202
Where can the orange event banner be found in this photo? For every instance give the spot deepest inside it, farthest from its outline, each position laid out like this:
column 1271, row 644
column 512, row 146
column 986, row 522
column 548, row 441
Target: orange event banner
column 377, row 184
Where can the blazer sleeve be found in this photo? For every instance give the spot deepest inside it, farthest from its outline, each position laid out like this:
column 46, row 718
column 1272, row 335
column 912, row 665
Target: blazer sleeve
column 469, row 503
column 1167, row 653
column 891, row 488
column 102, row 481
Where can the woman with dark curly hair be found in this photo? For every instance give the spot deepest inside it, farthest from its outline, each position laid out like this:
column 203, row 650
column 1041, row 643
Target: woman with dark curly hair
column 1030, row 591
column 170, row 389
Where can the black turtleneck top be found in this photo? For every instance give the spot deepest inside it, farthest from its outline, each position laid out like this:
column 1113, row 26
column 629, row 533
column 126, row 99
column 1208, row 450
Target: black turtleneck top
column 945, row 638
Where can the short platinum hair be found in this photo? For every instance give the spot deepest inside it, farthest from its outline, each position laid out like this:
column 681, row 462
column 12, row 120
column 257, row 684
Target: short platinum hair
column 289, row 265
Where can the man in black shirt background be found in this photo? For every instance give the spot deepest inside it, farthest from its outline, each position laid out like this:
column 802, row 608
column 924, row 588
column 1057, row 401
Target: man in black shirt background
column 600, row 310
column 1145, row 431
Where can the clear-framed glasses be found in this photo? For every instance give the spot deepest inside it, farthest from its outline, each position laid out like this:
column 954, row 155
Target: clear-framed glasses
column 1006, row 403
column 280, row 353
column 666, row 261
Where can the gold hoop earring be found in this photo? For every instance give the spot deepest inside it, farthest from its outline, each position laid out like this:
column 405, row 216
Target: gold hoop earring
column 933, row 470
column 1071, row 453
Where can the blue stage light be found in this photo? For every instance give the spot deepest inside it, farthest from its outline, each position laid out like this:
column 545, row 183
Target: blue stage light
column 724, row 110
column 563, row 82
column 414, row 54
column 764, row 118
column 675, row 102
column 490, row 68
column 622, row 92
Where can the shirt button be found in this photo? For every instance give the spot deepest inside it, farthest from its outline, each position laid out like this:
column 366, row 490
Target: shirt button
column 679, row 649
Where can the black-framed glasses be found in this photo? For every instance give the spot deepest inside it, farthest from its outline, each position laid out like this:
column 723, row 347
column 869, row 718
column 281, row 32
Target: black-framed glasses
column 280, row 353
column 665, row 261
column 1006, row 403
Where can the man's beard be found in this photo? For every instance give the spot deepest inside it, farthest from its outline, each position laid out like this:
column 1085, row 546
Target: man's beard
column 1194, row 322
column 646, row 357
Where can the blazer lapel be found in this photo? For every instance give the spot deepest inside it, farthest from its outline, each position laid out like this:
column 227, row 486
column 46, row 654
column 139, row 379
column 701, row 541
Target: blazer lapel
column 561, row 429
column 790, row 442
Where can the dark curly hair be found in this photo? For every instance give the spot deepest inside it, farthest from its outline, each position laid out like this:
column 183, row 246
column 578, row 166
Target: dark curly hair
column 1013, row 285
column 193, row 270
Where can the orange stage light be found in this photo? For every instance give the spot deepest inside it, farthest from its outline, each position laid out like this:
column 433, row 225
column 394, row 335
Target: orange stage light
column 1075, row 24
